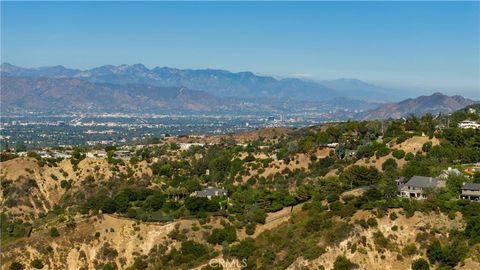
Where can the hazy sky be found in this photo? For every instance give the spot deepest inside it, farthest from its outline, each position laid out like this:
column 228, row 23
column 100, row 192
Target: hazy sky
column 433, row 45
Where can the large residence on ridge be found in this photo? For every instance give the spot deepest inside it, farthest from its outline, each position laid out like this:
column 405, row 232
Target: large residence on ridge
column 416, row 186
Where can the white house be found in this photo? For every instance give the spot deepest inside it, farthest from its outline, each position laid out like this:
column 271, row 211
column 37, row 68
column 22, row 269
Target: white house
column 469, row 124
column 186, row 146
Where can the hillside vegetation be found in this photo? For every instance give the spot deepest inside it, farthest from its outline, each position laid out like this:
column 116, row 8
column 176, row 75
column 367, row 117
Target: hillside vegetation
column 323, row 197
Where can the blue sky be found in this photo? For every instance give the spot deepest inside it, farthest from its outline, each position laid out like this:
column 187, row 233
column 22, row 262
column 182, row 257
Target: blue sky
column 428, row 45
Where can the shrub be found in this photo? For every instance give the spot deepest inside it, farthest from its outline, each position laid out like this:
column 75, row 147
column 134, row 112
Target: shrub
column 65, row 184
column 139, row 264
column 108, row 252
column 250, row 228
column 54, row 232
column 381, row 241
column 420, row 264
column 393, row 216
column 382, row 151
column 16, row 266
column 372, row 222
column 227, row 234
column 409, row 156
column 409, row 250
column 362, row 223
column 342, row 263
column 312, row 251
column 37, row 264
column 259, row 216
column 434, row 251
column 244, row 249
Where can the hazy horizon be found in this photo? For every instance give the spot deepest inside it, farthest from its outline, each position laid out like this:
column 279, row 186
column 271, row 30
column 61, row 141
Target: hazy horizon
column 425, row 47
column 413, row 91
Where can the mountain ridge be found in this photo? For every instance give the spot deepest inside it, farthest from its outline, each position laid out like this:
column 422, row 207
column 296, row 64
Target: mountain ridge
column 434, row 104
column 40, row 93
column 219, row 82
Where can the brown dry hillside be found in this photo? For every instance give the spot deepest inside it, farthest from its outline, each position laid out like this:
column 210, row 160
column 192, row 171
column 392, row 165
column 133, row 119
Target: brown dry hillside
column 242, row 137
column 31, row 189
column 414, row 144
column 85, row 245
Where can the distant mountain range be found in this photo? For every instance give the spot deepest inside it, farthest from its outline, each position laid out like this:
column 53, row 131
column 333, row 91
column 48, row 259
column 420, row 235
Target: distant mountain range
column 44, row 93
column 135, row 87
column 433, row 104
column 220, row 83
column 74, row 93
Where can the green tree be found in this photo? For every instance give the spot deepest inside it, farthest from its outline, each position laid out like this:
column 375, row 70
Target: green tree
column 191, row 247
column 109, row 206
column 245, row 249
column 155, row 201
column 389, row 165
column 361, row 176
column 455, row 183
column 227, row 234
column 434, row 252
column 427, row 146
column 398, row 153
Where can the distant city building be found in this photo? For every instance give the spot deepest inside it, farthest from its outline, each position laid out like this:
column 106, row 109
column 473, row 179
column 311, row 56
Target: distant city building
column 469, row 124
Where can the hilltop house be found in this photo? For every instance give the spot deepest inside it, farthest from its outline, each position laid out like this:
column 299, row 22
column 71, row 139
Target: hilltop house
column 469, row 124
column 210, row 192
column 471, row 191
column 186, row 146
column 122, row 154
column 97, row 154
column 415, row 187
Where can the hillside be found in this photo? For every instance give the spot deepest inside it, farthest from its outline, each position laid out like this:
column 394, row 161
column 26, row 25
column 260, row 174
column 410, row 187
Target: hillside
column 292, row 200
column 433, row 104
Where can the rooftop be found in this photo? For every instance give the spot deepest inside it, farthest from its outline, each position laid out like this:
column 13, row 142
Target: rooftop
column 211, row 191
column 423, row 182
column 471, row 186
